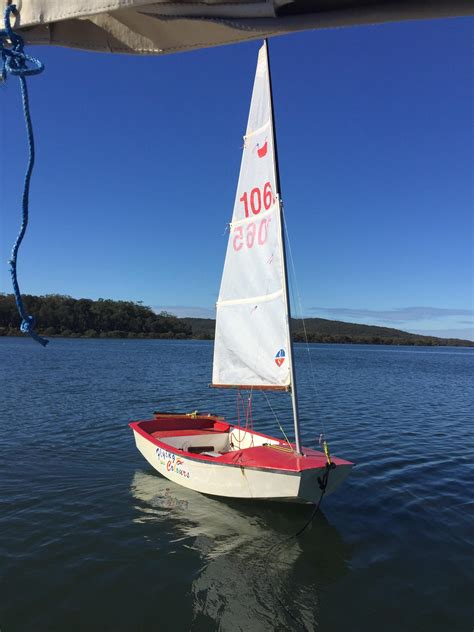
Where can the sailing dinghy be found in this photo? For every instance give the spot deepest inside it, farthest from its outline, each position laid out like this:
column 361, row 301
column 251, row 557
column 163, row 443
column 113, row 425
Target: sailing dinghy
column 252, row 349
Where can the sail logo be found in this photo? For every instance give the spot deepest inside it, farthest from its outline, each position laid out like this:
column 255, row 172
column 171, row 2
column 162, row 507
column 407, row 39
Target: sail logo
column 262, row 149
column 280, row 357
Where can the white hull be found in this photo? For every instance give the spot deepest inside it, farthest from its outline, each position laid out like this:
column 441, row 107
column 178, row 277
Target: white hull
column 235, row 481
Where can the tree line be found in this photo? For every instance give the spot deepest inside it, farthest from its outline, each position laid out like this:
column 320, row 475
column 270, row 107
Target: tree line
column 58, row 315
column 327, row 331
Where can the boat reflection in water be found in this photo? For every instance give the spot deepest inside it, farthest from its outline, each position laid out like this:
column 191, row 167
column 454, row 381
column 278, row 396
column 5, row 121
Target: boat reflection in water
column 244, row 578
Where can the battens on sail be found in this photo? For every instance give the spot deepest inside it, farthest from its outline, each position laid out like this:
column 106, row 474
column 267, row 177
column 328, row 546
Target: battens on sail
column 252, row 335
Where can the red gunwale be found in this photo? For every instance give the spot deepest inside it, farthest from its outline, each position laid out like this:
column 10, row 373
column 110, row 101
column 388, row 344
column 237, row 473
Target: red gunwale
column 260, row 457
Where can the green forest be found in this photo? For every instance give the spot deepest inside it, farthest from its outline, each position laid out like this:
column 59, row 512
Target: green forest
column 58, row 315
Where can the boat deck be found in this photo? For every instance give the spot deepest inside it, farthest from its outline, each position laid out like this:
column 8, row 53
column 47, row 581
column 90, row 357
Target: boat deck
column 263, row 456
column 279, row 457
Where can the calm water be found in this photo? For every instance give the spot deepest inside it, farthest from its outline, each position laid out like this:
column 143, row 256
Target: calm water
column 92, row 539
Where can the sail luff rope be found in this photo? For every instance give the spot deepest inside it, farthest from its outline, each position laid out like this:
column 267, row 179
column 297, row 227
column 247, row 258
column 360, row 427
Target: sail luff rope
column 291, row 360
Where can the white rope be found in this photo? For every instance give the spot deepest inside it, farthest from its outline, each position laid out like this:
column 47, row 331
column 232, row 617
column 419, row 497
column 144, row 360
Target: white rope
column 247, row 411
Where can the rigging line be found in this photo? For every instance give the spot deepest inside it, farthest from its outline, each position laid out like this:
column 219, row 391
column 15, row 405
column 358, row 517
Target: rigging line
column 299, row 305
column 15, row 62
column 250, row 417
column 239, row 440
column 268, row 281
column 277, row 420
column 323, row 482
column 245, row 411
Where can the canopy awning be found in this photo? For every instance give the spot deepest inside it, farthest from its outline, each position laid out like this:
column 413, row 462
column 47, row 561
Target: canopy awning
column 155, row 28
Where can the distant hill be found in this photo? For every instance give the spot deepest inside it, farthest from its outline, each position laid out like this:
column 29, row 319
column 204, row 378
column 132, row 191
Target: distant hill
column 58, row 315
column 328, row 331
column 202, row 328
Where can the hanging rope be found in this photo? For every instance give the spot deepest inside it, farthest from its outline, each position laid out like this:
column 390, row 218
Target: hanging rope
column 17, row 63
column 247, row 411
column 277, row 548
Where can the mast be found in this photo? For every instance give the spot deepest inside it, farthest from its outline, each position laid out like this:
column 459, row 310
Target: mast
column 294, row 394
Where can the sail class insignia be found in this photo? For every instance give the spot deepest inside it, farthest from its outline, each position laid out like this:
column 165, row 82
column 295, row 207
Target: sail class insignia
column 280, row 357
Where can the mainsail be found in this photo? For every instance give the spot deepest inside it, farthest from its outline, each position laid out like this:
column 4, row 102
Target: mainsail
column 252, row 345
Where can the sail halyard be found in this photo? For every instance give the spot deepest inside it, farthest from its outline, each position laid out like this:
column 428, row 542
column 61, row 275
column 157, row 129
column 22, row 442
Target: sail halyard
column 294, row 392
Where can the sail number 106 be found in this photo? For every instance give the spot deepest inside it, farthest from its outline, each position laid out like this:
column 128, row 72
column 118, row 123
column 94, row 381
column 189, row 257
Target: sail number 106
column 257, row 199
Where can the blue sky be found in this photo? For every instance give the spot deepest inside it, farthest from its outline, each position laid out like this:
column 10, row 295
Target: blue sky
column 138, row 158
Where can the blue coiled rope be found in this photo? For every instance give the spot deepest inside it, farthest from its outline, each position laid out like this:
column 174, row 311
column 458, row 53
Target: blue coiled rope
column 17, row 63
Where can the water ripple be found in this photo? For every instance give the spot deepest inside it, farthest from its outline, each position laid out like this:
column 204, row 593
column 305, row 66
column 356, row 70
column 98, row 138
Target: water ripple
column 92, row 539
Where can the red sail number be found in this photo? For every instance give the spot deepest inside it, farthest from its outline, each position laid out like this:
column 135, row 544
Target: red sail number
column 256, row 197
column 255, row 232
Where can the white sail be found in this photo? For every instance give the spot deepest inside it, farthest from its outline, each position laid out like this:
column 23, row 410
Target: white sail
column 252, row 337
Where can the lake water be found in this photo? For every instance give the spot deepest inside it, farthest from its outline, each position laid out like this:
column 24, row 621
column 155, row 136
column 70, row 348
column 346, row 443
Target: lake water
column 91, row 538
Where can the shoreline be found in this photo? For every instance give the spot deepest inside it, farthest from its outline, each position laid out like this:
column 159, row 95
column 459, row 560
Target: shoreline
column 435, row 342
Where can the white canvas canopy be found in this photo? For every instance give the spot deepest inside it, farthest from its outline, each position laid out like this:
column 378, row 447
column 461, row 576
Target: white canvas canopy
column 153, row 28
